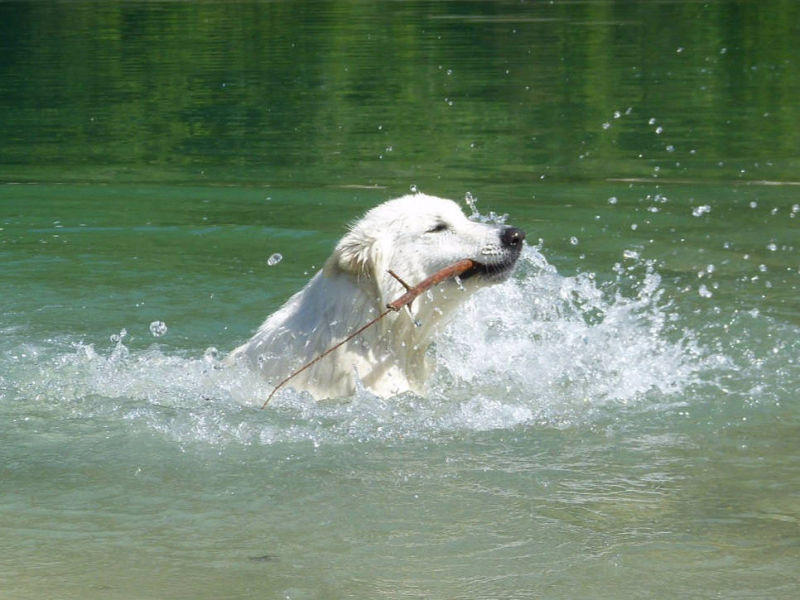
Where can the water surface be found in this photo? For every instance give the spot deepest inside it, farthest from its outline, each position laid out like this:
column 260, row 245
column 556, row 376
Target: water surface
column 620, row 419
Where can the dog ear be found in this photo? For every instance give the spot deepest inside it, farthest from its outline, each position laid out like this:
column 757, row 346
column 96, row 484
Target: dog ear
column 352, row 253
column 362, row 254
column 366, row 257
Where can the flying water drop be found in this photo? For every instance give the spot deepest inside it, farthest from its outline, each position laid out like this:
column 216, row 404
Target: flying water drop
column 158, row 328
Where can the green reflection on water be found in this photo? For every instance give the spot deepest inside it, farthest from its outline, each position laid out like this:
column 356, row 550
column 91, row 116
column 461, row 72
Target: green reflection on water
column 389, row 93
column 121, row 482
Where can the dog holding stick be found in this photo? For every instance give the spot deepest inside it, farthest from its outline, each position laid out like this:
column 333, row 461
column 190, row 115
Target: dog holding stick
column 387, row 252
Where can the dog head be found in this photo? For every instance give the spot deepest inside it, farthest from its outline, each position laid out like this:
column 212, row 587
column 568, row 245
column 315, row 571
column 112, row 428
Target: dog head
column 417, row 235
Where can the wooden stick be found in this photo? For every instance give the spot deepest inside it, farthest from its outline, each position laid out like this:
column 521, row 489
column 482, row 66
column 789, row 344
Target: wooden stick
column 406, row 299
column 451, row 271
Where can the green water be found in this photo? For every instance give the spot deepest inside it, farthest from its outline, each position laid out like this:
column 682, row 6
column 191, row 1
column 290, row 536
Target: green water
column 619, row 420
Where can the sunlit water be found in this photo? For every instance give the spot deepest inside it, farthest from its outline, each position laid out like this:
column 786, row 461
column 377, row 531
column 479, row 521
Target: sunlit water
column 542, row 349
column 573, row 422
column 620, row 419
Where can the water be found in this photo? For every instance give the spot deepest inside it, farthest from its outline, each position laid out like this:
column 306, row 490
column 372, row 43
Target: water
column 619, row 419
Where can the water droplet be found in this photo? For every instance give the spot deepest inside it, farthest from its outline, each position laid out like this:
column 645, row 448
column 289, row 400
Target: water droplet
column 630, row 254
column 573, row 240
column 274, row 259
column 158, row 328
column 414, row 189
column 612, row 200
column 699, row 211
column 704, row 291
column 471, row 201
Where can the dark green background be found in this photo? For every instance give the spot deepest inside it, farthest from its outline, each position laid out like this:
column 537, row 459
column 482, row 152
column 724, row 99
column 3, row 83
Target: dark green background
column 388, row 92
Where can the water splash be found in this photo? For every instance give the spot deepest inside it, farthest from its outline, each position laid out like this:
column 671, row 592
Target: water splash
column 475, row 215
column 541, row 349
column 158, row 328
column 563, row 347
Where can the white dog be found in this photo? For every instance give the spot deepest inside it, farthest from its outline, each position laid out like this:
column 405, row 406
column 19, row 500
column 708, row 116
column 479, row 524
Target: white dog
column 414, row 236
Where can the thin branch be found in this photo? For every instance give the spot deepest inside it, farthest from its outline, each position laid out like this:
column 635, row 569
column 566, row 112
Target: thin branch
column 406, row 299
column 446, row 273
column 400, row 279
column 323, row 355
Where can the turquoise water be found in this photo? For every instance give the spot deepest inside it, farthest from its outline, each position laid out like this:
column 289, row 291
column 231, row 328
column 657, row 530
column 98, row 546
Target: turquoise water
column 619, row 420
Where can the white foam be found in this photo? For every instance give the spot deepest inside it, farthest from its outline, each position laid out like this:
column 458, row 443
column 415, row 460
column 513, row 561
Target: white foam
column 539, row 349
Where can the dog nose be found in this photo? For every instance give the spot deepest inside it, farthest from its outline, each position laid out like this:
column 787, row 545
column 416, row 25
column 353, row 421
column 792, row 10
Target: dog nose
column 512, row 237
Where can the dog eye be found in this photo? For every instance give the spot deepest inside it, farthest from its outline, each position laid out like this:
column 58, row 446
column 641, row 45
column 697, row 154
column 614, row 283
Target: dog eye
column 438, row 227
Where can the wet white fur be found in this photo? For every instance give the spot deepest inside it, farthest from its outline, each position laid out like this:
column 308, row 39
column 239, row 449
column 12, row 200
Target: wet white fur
column 354, row 286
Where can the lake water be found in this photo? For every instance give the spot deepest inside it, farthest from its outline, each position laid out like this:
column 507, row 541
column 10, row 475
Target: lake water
column 619, row 420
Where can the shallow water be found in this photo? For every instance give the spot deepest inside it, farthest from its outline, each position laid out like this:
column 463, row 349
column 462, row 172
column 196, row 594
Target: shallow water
column 619, row 419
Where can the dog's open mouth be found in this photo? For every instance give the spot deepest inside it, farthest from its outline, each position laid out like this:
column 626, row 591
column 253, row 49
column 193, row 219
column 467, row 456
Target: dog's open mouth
column 492, row 271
